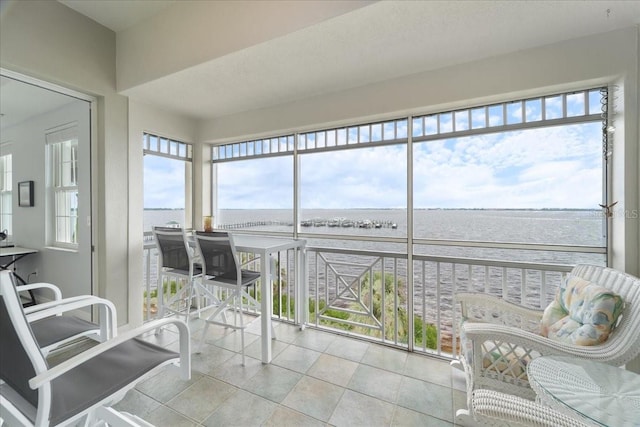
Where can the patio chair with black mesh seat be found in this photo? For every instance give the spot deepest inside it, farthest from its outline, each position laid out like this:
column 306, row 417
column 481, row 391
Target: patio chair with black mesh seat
column 54, row 330
column 83, row 388
column 226, row 280
column 176, row 262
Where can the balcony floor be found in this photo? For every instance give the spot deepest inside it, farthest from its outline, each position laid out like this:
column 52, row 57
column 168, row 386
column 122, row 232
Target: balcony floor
column 316, row 378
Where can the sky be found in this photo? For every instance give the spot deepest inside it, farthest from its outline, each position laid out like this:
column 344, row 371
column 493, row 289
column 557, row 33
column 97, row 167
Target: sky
column 163, row 182
column 552, row 167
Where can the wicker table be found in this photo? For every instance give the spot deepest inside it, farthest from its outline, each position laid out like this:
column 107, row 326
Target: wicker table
column 599, row 394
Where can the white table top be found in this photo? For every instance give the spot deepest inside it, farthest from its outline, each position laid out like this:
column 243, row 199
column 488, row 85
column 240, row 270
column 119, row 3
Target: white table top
column 603, row 394
column 248, row 241
column 16, row 250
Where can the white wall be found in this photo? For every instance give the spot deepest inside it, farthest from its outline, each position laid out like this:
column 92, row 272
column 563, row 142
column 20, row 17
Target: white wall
column 602, row 59
column 145, row 118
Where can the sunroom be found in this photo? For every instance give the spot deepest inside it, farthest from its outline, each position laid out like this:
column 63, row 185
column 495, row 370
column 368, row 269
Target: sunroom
column 415, row 164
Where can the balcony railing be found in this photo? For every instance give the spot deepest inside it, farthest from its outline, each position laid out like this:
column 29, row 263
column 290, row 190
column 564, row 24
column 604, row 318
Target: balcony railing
column 365, row 293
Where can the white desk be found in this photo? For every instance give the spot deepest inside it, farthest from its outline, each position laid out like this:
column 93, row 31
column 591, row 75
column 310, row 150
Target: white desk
column 16, row 253
column 596, row 393
column 265, row 246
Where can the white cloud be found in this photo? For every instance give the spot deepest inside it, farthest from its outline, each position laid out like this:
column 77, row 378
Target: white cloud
column 556, row 167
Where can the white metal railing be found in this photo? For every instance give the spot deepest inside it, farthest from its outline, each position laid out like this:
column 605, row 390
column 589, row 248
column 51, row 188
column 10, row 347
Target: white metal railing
column 347, row 296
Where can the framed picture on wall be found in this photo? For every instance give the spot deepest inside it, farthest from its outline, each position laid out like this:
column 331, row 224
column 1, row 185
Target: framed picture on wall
column 25, row 193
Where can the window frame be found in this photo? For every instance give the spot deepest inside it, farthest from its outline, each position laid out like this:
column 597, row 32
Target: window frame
column 554, row 109
column 63, row 181
column 6, row 192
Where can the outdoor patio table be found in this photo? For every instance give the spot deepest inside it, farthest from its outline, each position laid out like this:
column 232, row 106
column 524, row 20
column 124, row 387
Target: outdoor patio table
column 597, row 393
column 265, row 246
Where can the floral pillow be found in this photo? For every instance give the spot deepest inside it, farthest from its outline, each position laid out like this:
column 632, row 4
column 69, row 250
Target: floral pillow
column 582, row 313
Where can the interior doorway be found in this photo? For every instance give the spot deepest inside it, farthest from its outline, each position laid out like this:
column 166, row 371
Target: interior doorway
column 46, row 140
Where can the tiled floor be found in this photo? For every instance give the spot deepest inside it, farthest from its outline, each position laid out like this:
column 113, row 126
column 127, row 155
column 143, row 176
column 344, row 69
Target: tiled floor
column 315, row 379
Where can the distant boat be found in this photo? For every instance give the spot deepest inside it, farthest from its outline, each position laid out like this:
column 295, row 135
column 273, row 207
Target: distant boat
column 335, row 222
column 173, row 224
column 319, row 222
column 306, row 223
column 347, row 223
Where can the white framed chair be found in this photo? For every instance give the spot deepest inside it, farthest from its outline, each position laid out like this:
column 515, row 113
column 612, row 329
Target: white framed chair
column 53, row 330
column 83, row 388
column 498, row 338
column 178, row 262
column 225, row 280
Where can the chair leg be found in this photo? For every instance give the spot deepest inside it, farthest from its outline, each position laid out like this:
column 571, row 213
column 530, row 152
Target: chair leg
column 241, row 327
column 204, row 334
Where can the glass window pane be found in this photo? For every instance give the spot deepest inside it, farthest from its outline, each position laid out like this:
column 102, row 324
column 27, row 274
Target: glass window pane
column 514, row 113
column 401, row 129
column 462, row 120
column 595, row 102
column 364, row 134
column 264, row 201
column 446, row 122
column 376, row 132
column 311, row 141
column 575, row 104
column 165, row 191
column 389, row 131
column 478, row 118
column 417, row 127
column 496, row 115
column 533, row 110
column 342, row 136
column 547, row 181
column 431, row 125
column 355, row 192
column 331, row 138
column 553, row 107
column 353, row 135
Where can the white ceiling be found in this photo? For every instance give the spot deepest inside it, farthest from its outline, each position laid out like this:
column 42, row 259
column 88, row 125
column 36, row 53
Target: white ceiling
column 381, row 41
column 118, row 15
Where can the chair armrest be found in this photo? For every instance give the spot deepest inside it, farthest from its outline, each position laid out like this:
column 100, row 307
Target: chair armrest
column 480, row 307
column 57, row 294
column 67, row 365
column 108, row 317
column 52, row 308
column 532, row 341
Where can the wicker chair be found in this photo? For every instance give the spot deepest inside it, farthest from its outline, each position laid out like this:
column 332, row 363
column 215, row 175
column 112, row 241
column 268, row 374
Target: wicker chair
column 493, row 408
column 495, row 327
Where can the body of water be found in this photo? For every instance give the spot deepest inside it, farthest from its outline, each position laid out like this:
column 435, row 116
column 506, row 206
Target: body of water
column 558, row 227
